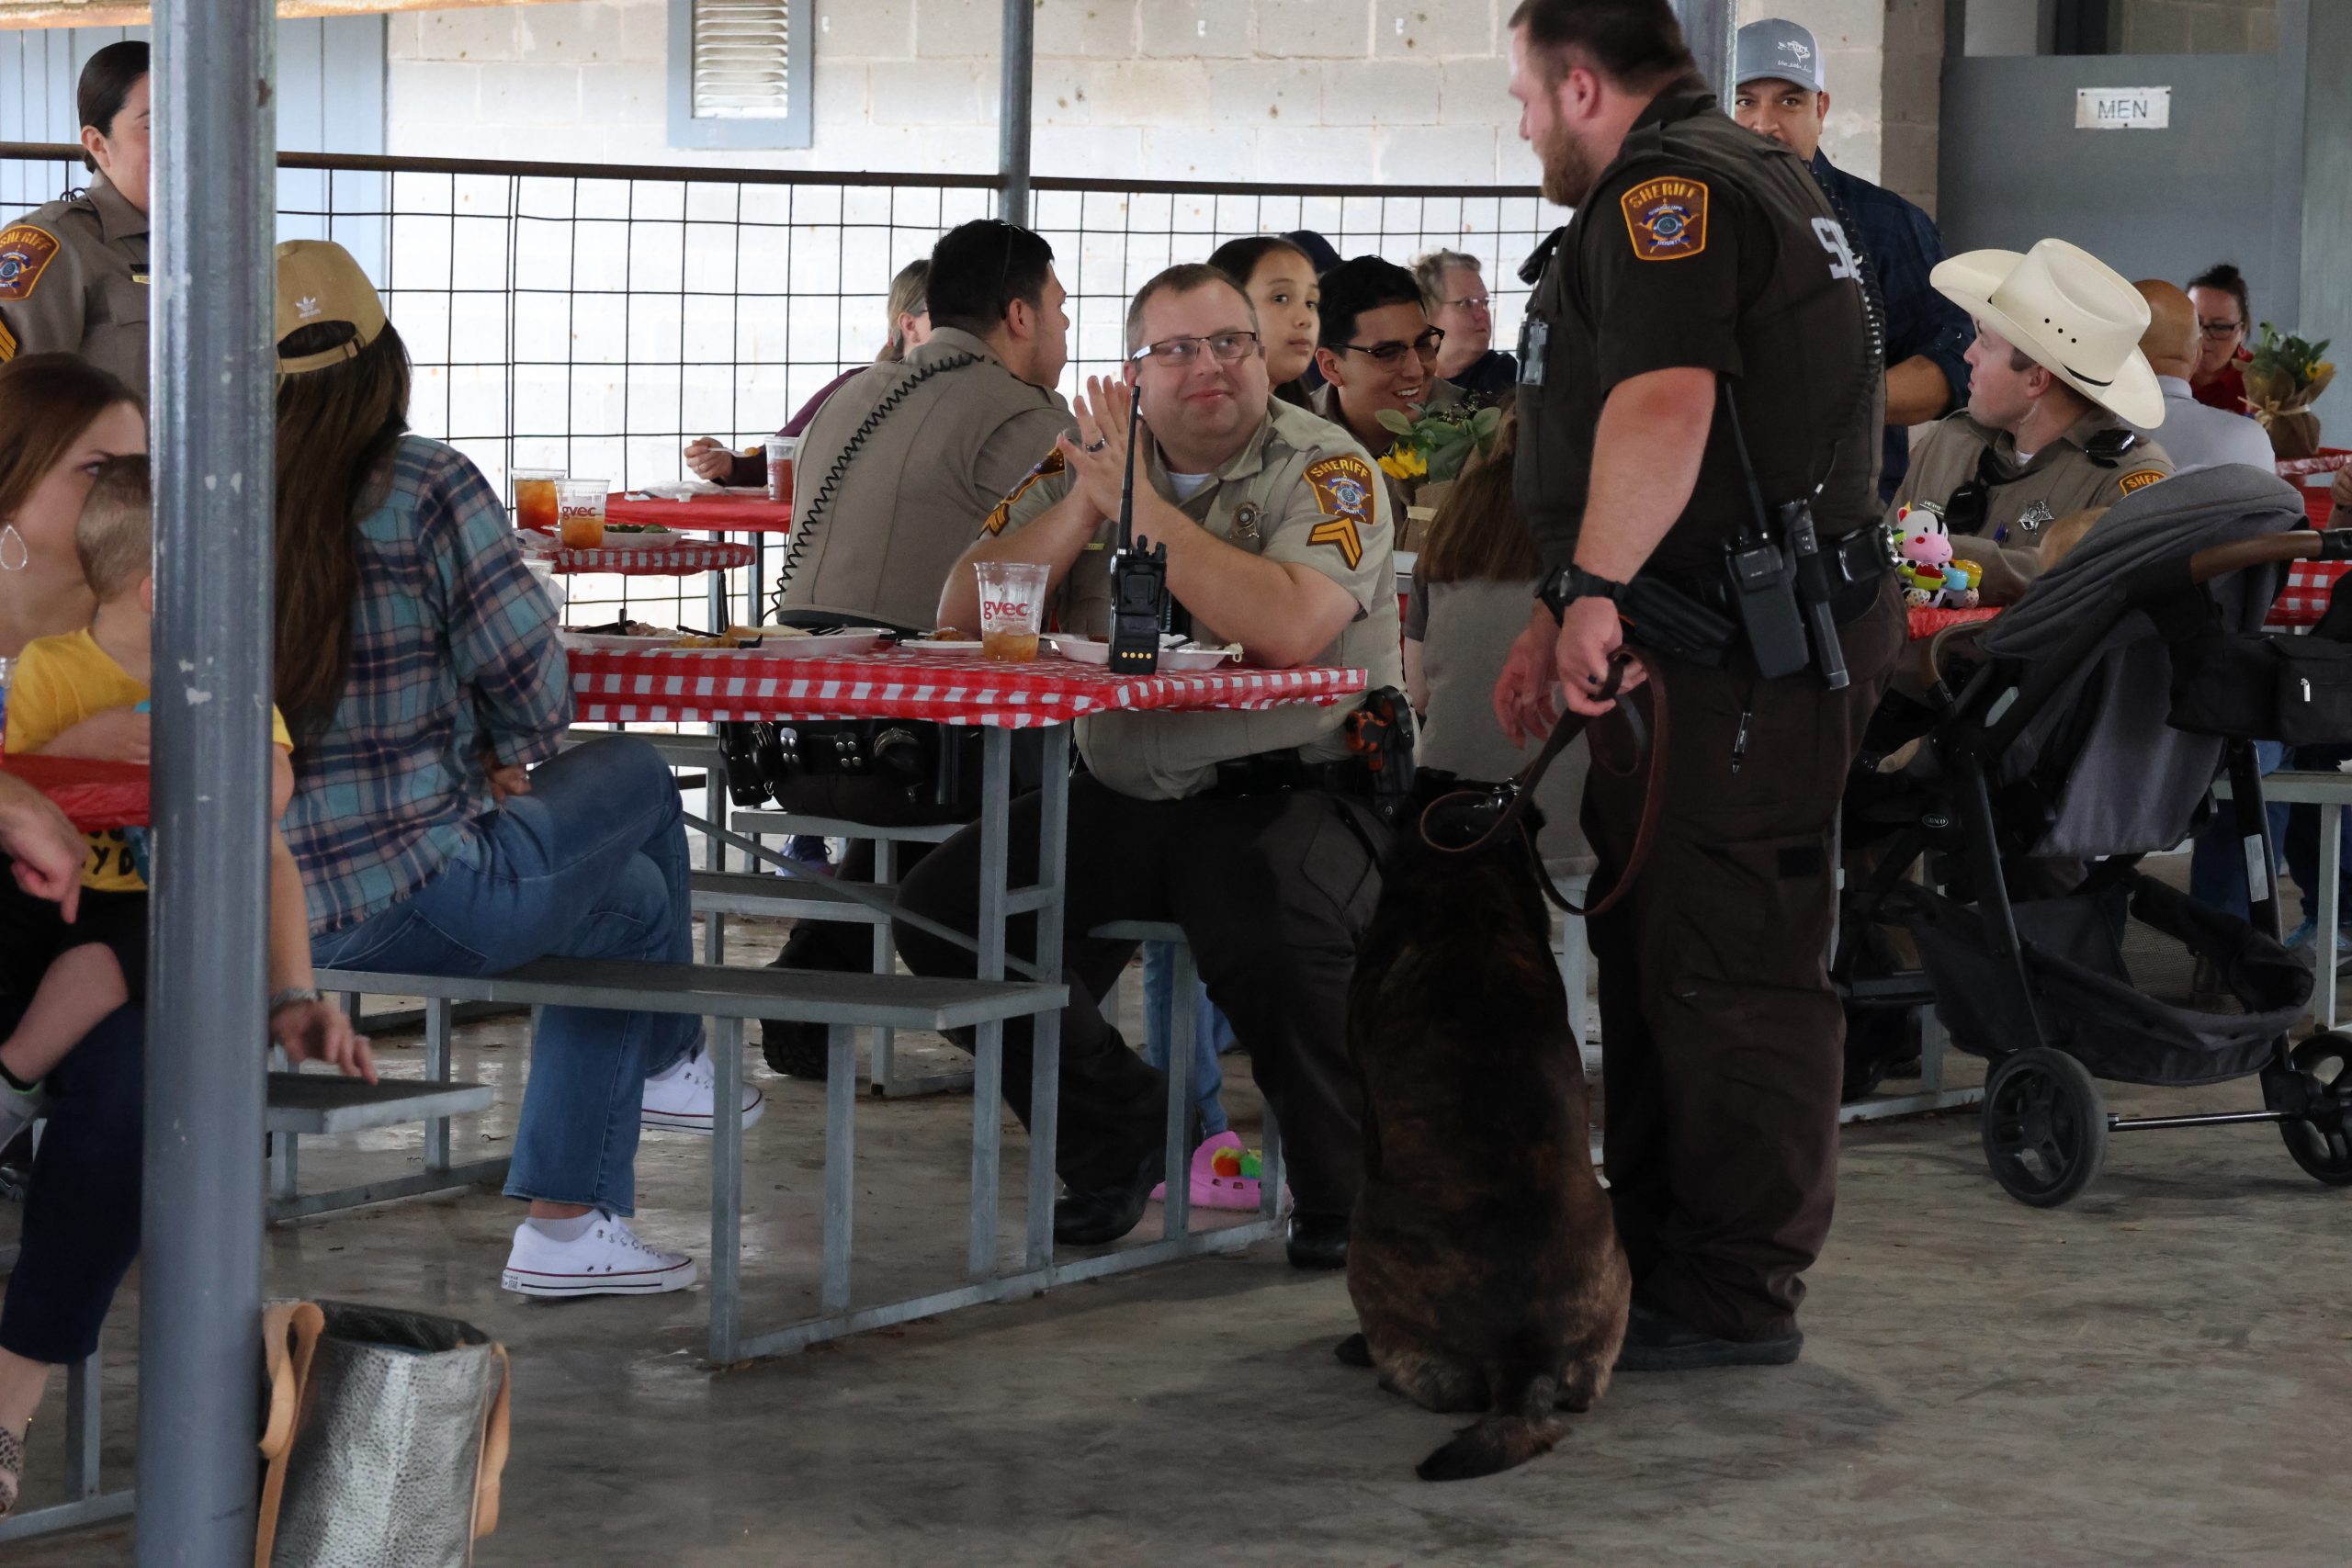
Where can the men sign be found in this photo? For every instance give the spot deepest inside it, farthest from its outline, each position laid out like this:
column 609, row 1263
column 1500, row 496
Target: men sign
column 2122, row 108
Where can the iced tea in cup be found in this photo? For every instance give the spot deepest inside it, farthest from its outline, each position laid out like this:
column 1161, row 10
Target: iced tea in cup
column 1012, row 609
column 781, row 452
column 534, row 504
column 580, row 509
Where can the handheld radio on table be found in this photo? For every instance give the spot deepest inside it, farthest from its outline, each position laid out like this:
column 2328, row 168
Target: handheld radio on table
column 1138, row 577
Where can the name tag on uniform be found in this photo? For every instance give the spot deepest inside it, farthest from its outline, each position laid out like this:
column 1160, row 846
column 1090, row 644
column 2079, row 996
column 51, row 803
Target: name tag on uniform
column 1535, row 337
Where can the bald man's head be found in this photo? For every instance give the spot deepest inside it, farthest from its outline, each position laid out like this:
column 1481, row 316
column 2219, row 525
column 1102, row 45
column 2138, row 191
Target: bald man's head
column 2170, row 342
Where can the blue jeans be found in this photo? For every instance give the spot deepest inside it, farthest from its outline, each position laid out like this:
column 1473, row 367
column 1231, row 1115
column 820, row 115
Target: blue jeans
column 1211, row 1033
column 81, row 1227
column 592, row 864
column 2217, row 863
column 2299, row 844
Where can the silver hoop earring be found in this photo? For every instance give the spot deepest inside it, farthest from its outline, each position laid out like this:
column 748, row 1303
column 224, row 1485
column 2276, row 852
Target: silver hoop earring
column 13, row 556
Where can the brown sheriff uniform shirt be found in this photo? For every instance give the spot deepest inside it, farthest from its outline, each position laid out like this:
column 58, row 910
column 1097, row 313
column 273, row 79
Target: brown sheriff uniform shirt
column 2096, row 464
column 877, row 523
column 1702, row 247
column 74, row 280
column 1299, row 490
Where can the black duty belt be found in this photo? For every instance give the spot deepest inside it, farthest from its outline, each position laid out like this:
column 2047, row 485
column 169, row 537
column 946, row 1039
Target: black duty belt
column 1859, row 564
column 1271, row 772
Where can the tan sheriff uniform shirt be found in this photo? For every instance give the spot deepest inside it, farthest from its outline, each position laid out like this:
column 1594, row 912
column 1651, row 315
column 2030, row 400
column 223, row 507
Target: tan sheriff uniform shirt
column 1300, row 491
column 2096, row 464
column 876, row 542
column 74, row 280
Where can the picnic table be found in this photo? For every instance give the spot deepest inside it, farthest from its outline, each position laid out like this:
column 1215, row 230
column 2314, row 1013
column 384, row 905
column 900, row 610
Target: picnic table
column 711, row 685
column 95, row 796
column 712, row 515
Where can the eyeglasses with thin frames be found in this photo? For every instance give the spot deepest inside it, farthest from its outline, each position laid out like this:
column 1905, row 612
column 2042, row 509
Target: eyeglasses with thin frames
column 1471, row 303
column 1426, row 346
column 1178, row 352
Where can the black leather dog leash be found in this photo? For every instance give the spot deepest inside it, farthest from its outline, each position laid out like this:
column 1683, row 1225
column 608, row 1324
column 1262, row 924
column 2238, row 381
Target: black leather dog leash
column 1509, row 800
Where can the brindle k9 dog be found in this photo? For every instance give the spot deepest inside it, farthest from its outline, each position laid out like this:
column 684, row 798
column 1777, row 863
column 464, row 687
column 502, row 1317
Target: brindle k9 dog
column 1483, row 1259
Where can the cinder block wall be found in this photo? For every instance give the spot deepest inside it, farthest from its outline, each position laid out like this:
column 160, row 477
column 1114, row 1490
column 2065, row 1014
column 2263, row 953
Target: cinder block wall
column 1319, row 90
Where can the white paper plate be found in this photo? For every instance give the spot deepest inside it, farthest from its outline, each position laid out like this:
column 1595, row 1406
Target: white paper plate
column 818, row 644
column 685, row 491
column 606, row 642
column 1087, row 651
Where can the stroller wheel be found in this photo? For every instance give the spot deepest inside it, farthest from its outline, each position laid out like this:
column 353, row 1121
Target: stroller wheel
column 2322, row 1143
column 2045, row 1126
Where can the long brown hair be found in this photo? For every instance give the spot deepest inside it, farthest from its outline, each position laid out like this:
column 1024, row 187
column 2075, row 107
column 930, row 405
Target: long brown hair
column 1477, row 535
column 47, row 401
column 336, row 429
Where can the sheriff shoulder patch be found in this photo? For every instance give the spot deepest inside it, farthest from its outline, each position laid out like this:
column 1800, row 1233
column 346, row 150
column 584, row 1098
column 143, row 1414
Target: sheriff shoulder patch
column 2139, row 481
column 1051, row 463
column 1666, row 217
column 1342, row 489
column 24, row 251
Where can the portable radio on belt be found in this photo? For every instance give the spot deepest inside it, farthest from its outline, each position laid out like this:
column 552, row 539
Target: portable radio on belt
column 1138, row 578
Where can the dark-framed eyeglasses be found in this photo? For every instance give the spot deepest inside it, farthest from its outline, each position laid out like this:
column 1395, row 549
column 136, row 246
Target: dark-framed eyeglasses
column 1426, row 346
column 2218, row 330
column 1178, row 352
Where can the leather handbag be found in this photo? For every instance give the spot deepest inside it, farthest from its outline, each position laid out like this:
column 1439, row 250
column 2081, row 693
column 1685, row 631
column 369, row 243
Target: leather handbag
column 385, row 1436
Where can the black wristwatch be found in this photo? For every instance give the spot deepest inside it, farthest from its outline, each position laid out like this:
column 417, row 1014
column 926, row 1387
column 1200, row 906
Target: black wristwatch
column 1572, row 582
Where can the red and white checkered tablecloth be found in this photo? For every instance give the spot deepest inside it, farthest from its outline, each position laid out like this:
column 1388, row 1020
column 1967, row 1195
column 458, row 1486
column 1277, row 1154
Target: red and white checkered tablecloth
column 2305, row 598
column 680, row 558
column 704, row 685
column 730, row 514
column 2330, row 460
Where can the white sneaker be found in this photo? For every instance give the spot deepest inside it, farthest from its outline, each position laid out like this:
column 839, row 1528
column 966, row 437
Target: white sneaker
column 681, row 1096
column 19, row 1108
column 606, row 1259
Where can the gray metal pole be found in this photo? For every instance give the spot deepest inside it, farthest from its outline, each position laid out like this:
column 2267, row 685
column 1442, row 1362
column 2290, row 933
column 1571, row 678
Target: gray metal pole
column 1709, row 27
column 1012, row 108
column 199, row 1341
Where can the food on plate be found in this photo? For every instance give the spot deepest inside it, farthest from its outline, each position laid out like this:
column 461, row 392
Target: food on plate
column 635, row 529
column 947, row 634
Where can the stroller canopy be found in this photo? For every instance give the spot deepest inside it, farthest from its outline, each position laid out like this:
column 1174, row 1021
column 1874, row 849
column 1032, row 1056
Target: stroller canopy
column 2132, row 784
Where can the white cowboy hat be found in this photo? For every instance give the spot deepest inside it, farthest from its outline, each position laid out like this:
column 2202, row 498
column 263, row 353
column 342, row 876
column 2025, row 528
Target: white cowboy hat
column 2070, row 313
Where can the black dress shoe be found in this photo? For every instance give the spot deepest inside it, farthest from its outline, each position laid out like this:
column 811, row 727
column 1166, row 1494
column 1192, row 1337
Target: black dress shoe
column 1318, row 1241
column 1656, row 1342
column 1095, row 1215
column 795, row 1050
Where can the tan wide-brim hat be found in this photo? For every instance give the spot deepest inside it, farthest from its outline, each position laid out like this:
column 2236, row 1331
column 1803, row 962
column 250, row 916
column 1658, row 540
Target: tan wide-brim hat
column 318, row 282
column 2072, row 314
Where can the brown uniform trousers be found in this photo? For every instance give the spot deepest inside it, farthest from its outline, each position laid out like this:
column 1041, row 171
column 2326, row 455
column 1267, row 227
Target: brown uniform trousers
column 1722, row 1038
column 1273, row 892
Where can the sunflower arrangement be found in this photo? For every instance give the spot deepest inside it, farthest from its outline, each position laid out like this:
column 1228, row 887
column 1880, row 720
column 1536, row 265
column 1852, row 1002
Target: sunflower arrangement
column 1433, row 442
column 2285, row 377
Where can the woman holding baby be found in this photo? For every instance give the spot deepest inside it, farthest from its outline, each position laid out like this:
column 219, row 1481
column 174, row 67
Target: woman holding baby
column 73, row 1053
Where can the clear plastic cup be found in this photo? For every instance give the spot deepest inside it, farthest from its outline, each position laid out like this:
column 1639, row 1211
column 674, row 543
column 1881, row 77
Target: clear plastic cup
column 534, row 502
column 580, row 508
column 1012, row 609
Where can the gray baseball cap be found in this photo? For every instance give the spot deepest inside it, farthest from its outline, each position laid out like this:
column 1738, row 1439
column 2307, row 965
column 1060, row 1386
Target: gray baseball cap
column 1782, row 51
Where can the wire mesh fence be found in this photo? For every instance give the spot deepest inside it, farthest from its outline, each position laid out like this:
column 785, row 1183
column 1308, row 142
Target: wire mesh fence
column 593, row 319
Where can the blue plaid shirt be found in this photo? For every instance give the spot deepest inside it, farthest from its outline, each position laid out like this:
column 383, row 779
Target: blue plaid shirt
column 453, row 649
column 1900, row 247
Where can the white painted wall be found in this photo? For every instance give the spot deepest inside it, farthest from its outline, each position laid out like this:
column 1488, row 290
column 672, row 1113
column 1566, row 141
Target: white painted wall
column 1306, row 91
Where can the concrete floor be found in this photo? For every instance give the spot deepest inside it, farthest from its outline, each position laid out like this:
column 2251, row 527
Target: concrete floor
column 2155, row 1374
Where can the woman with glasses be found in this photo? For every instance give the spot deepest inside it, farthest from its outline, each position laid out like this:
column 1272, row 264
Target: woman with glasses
column 1456, row 294
column 2222, row 315
column 1378, row 354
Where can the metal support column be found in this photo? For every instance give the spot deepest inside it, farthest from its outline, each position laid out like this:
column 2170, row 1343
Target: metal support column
column 199, row 1344
column 1013, row 109
column 1709, row 27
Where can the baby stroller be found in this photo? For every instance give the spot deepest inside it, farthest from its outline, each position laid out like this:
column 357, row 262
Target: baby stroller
column 2089, row 726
